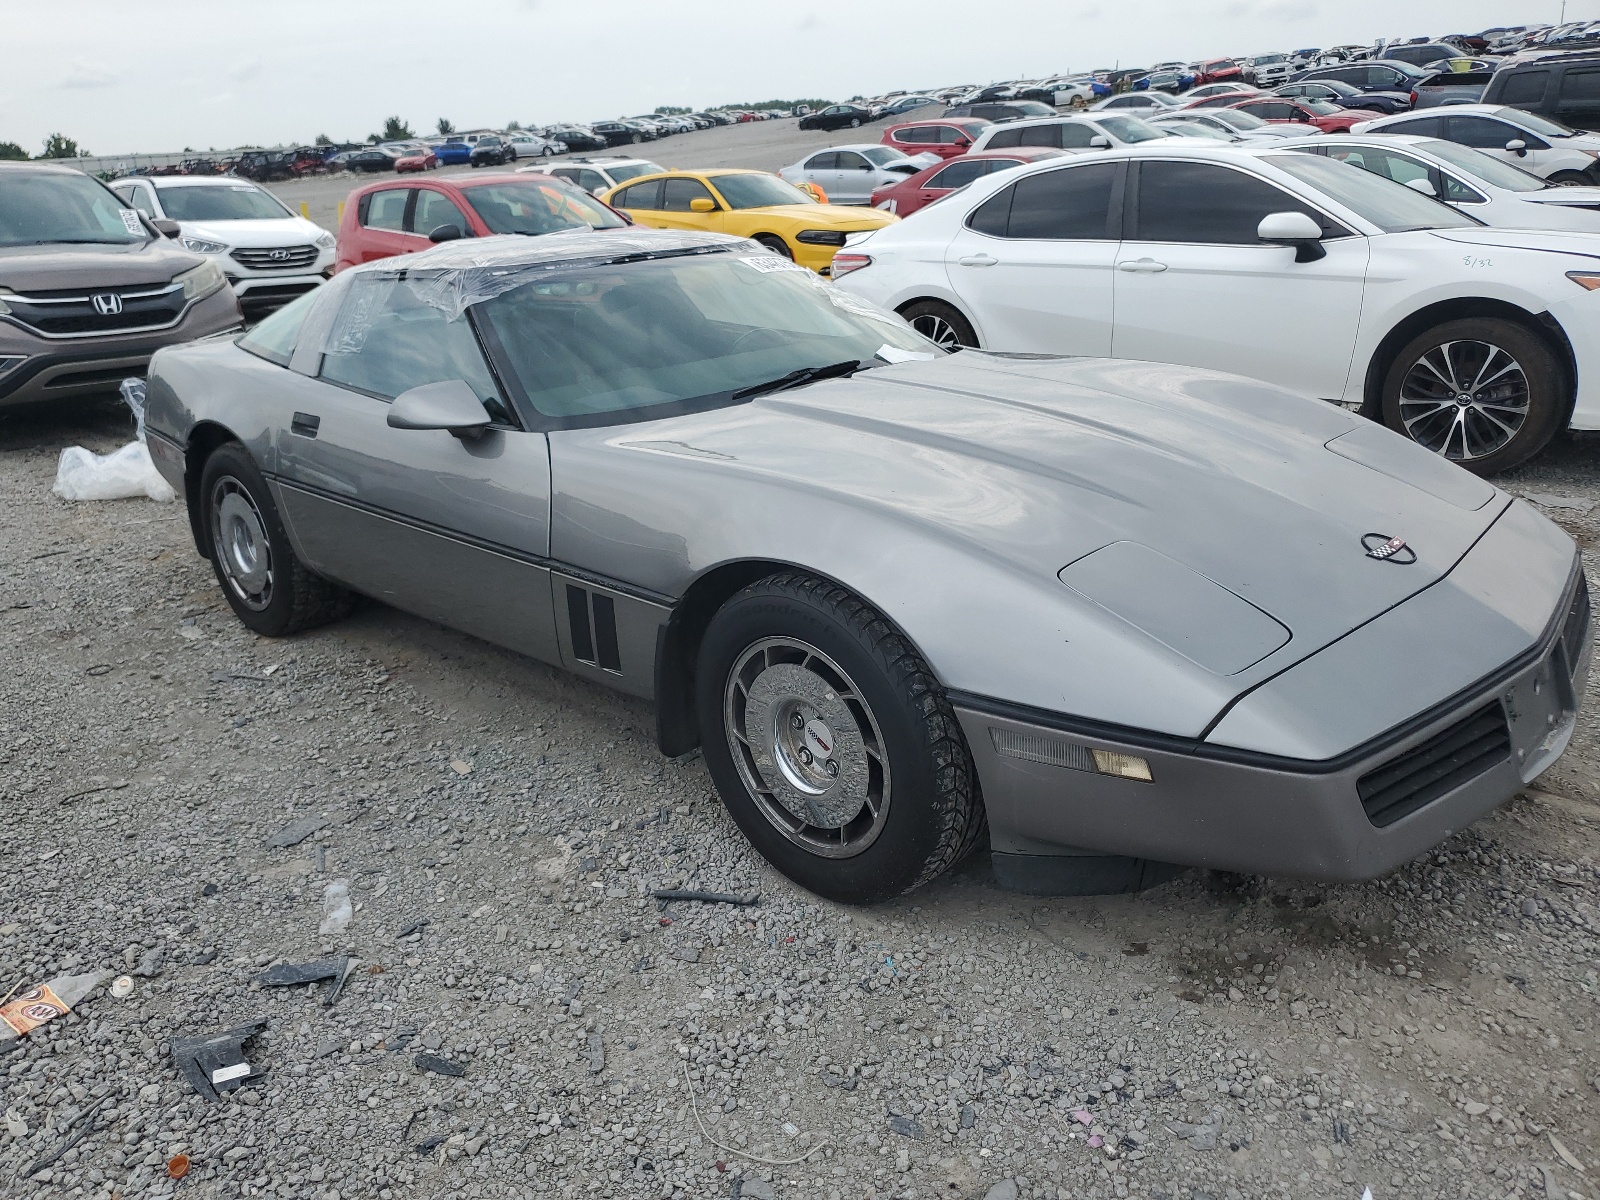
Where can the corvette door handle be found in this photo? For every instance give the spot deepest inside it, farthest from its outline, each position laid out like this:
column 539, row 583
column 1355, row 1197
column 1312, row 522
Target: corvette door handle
column 1142, row 266
column 978, row 260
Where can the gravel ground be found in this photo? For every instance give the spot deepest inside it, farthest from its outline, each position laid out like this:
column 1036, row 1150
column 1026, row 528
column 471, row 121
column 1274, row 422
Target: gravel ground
column 762, row 145
column 1430, row 1034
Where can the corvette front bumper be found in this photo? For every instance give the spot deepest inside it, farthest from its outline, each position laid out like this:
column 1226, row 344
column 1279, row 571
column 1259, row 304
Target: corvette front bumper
column 1341, row 819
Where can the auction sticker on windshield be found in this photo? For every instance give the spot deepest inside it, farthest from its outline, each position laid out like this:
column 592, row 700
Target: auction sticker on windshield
column 130, row 219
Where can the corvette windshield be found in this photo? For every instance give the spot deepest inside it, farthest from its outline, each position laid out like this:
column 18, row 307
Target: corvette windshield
column 610, row 343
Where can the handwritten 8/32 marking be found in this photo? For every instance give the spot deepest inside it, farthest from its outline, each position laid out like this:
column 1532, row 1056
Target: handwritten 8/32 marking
column 1479, row 263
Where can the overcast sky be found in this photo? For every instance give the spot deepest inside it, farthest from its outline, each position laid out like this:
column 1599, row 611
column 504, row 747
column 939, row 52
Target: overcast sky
column 159, row 75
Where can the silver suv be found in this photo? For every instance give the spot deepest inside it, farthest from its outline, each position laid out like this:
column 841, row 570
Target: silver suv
column 90, row 288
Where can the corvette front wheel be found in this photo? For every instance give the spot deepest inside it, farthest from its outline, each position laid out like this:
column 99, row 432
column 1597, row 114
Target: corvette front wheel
column 831, row 743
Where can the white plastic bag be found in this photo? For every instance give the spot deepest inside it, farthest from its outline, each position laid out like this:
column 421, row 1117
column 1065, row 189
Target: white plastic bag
column 336, row 910
column 84, row 475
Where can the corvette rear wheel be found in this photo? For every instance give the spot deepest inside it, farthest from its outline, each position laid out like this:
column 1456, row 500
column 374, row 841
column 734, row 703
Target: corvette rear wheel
column 831, row 743
column 1485, row 393
column 940, row 324
column 266, row 585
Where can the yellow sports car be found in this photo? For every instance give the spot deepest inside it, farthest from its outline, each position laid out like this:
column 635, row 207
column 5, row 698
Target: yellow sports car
column 750, row 204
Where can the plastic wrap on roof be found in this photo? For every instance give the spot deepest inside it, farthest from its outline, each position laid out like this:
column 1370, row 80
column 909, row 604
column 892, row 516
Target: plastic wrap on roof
column 456, row 275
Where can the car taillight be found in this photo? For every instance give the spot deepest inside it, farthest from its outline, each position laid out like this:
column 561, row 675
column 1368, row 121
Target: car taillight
column 1414, row 97
column 843, row 263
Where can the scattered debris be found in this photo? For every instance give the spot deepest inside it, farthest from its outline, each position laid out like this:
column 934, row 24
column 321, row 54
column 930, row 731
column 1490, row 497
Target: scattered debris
column 299, row 974
column 122, row 987
column 336, row 910
column 45, row 1002
column 439, row 1066
column 177, row 1166
column 429, row 1144
column 76, row 1130
column 339, row 982
column 460, row 767
column 295, row 832
column 216, row 1063
column 16, row 1124
column 401, row 1039
column 1566, row 1155
column 745, row 898
column 414, row 926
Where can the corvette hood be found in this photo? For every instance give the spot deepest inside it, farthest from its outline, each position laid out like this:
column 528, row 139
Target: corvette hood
column 1545, row 241
column 1035, row 464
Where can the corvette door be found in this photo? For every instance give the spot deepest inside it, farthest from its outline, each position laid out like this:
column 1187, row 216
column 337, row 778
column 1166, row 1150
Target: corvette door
column 1034, row 263
column 453, row 529
column 1196, row 286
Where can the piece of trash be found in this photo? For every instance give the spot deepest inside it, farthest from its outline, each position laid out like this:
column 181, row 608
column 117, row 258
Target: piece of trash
column 745, row 898
column 439, row 1066
column 1555, row 1144
column 411, row 927
column 1096, row 1140
column 1203, row 1136
column 339, row 982
column 122, row 986
column 212, row 1063
column 16, row 1125
column 429, row 1144
column 401, row 1039
column 295, row 832
column 84, row 475
column 177, row 1166
column 294, row 974
column 597, row 1054
column 1083, row 1117
column 336, row 910
column 460, row 767
column 80, row 1127
column 45, row 1002
column 1551, row 500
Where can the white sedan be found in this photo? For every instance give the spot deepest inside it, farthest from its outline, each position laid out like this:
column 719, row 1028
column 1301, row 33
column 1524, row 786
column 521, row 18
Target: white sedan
column 1242, row 125
column 850, row 174
column 1478, row 184
column 1523, row 139
column 1139, row 102
column 1100, row 131
column 1478, row 343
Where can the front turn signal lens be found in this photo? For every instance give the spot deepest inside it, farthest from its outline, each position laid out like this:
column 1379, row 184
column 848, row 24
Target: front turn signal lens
column 1121, row 766
column 1589, row 281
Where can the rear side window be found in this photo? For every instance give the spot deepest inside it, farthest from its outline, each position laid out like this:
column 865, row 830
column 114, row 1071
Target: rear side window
column 1575, row 85
column 677, row 193
column 1201, row 203
column 385, row 209
column 822, row 162
column 959, row 174
column 920, row 134
column 1042, row 135
column 1072, row 204
column 1418, row 127
column 1527, row 87
column 1484, row 133
column 640, row 195
column 849, row 161
column 1004, row 139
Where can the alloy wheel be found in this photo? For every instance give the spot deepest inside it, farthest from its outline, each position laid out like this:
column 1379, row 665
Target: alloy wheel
column 807, row 747
column 937, row 330
column 1464, row 399
column 242, row 549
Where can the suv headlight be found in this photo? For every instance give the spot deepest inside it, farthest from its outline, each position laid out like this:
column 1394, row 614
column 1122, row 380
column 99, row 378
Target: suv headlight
column 201, row 245
column 326, row 240
column 201, row 281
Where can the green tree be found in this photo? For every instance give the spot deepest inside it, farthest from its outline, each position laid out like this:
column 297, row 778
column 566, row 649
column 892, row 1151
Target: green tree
column 444, row 127
column 58, row 145
column 513, row 126
column 396, row 130
column 12, row 150
column 323, row 139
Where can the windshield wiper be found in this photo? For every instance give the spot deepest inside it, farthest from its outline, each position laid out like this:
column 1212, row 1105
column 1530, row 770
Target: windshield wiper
column 800, row 378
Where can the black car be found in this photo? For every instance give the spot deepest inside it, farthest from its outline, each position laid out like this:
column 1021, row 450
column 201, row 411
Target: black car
column 492, row 151
column 574, row 137
column 1336, row 91
column 1017, row 110
column 837, row 116
column 370, row 161
column 1370, row 75
column 619, row 133
column 1565, row 88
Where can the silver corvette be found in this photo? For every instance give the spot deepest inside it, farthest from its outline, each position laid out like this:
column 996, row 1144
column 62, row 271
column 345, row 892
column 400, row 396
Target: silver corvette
column 1117, row 618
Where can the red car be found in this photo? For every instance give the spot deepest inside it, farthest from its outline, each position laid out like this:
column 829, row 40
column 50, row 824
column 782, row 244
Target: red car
column 1216, row 70
column 402, row 217
column 1225, row 99
column 417, row 160
column 947, row 139
column 938, row 181
column 1329, row 118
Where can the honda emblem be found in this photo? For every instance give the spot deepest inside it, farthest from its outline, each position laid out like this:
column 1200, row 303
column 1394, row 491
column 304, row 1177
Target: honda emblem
column 107, row 304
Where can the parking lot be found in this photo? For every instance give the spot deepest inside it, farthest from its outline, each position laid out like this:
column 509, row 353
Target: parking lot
column 1430, row 1034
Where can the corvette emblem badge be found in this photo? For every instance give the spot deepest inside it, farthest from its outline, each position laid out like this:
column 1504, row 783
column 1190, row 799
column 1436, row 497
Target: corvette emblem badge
column 1388, row 549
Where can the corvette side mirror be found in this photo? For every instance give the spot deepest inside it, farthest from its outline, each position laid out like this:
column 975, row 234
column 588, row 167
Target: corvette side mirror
column 1293, row 229
column 451, row 405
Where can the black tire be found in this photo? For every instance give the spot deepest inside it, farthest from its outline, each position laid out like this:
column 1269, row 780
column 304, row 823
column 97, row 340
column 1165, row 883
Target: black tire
column 855, row 122
column 1521, row 387
column 292, row 597
column 775, row 243
column 637, row 138
column 940, row 323
column 930, row 812
column 1570, row 179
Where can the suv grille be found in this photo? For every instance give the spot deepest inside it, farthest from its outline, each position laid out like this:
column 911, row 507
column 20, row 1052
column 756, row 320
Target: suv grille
column 1576, row 626
column 1441, row 764
column 276, row 258
column 76, row 314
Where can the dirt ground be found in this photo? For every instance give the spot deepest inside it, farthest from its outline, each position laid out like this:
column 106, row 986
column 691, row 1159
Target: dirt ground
column 500, row 824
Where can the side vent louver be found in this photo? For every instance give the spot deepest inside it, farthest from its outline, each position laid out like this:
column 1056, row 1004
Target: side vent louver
column 593, row 619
